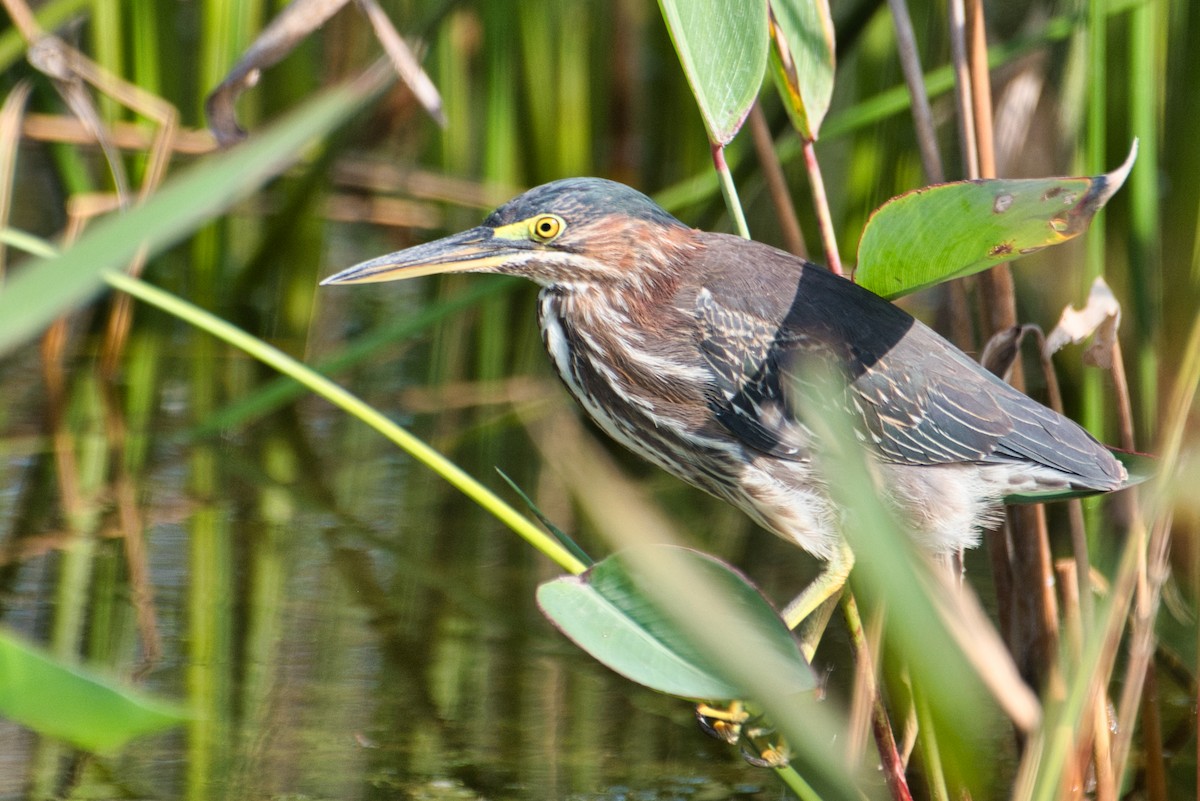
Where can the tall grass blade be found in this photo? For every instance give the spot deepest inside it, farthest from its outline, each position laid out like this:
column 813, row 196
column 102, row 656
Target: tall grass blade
column 43, row 291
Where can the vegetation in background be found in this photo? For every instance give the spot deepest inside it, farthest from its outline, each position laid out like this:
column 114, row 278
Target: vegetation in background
column 165, row 499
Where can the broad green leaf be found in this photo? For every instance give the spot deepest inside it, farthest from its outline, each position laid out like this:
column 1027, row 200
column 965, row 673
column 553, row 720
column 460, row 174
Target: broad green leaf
column 608, row 612
column 802, row 60
column 931, row 235
column 722, row 45
column 44, row 290
column 71, row 704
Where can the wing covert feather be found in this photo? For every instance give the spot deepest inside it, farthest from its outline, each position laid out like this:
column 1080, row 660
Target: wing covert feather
column 913, row 397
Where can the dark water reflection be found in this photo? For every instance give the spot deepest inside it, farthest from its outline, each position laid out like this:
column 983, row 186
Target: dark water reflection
column 340, row 622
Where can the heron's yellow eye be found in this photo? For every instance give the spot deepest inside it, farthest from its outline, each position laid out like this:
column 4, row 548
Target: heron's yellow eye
column 546, row 226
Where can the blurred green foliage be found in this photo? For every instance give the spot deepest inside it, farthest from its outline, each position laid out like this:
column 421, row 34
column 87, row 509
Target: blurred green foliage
column 533, row 91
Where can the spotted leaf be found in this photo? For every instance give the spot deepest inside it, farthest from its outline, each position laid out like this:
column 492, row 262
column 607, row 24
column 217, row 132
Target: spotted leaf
column 950, row 230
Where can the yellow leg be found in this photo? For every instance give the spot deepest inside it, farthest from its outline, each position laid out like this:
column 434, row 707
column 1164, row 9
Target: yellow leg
column 827, row 585
column 812, row 608
column 812, row 628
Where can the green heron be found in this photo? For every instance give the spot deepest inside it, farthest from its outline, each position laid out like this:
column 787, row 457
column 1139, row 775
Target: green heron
column 684, row 346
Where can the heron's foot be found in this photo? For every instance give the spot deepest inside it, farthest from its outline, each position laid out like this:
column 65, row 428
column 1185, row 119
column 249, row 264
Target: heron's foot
column 762, row 748
column 734, row 725
column 722, row 722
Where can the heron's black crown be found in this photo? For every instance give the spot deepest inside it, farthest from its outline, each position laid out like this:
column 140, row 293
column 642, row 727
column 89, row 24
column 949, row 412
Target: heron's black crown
column 578, row 200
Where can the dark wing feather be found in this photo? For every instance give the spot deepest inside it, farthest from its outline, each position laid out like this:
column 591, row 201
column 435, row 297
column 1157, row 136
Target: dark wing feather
column 749, row 400
column 915, row 398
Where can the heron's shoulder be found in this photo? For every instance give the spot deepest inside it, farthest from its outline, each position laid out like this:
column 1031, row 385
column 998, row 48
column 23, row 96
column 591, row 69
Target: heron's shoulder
column 752, row 278
column 735, row 264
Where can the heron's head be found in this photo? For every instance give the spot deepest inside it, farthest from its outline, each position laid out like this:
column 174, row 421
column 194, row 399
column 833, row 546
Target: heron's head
column 573, row 231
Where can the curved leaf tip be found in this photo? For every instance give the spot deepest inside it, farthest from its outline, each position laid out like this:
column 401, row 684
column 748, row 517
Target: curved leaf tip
column 945, row 231
column 723, row 48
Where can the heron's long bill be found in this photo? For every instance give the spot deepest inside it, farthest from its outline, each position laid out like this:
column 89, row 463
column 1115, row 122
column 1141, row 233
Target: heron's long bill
column 474, row 250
